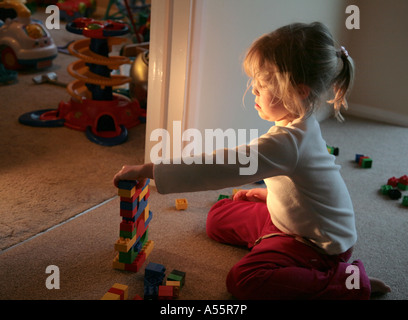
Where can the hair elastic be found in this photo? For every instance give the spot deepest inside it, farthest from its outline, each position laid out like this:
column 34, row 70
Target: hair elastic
column 343, row 53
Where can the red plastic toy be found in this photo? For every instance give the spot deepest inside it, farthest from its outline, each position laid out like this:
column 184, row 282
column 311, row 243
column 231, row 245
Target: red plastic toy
column 94, row 108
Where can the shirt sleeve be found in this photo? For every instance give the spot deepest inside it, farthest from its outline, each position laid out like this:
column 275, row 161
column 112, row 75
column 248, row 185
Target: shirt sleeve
column 274, row 153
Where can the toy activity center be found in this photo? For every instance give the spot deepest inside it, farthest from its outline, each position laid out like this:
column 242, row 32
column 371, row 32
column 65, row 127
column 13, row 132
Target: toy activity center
column 94, row 107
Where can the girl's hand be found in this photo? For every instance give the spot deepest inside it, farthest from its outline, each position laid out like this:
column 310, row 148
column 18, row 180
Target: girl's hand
column 137, row 172
column 254, row 195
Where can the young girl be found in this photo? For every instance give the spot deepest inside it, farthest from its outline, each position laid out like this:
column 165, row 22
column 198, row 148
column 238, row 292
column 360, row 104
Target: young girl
column 300, row 229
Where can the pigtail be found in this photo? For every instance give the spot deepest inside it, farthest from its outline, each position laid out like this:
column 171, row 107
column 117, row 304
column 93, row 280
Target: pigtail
column 342, row 83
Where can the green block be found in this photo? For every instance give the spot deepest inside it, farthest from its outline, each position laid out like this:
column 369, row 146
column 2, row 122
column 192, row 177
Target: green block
column 127, row 234
column 367, row 163
column 128, row 257
column 405, row 201
column 144, row 238
column 222, row 196
column 385, row 188
column 177, row 275
column 402, row 186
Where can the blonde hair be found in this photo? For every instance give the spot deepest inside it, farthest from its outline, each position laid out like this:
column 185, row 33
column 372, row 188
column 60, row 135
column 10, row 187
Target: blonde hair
column 299, row 63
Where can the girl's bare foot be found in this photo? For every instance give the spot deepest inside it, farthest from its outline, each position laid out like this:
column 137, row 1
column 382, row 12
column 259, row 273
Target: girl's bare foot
column 378, row 286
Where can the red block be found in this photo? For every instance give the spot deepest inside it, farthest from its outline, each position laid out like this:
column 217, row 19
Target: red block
column 147, row 194
column 361, row 160
column 140, row 226
column 403, row 180
column 165, row 293
column 392, row 182
column 137, row 264
column 119, row 292
column 128, row 226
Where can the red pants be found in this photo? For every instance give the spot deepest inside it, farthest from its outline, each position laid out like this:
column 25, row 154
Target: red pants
column 279, row 267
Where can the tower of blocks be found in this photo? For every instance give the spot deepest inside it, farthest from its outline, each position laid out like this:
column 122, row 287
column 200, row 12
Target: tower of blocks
column 133, row 246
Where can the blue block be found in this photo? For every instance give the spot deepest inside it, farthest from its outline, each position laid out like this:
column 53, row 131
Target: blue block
column 154, row 269
column 140, row 209
column 148, row 220
column 358, row 156
column 126, row 184
column 151, row 292
column 129, row 205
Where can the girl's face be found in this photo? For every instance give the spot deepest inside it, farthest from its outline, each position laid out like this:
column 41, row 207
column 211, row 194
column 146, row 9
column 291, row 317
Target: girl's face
column 270, row 107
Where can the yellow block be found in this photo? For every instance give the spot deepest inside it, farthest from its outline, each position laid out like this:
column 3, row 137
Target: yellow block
column 148, row 247
column 127, row 193
column 176, row 287
column 143, row 193
column 116, row 296
column 146, row 212
column 124, row 288
column 110, row 296
column 124, row 244
column 181, row 204
column 118, row 265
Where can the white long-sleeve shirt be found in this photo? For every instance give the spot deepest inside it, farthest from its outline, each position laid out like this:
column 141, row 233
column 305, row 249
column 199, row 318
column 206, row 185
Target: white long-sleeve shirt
column 307, row 195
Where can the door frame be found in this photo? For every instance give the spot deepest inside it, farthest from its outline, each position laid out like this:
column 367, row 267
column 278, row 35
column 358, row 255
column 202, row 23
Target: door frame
column 169, row 60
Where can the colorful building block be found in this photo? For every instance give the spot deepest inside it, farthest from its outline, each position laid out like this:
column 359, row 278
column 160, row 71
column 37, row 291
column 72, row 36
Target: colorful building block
column 222, row 196
column 393, row 182
column 154, row 276
column 403, row 183
column 177, row 275
column 154, row 270
column 181, row 204
column 366, row 162
column 385, row 188
column 126, row 184
column 176, row 287
column 394, row 194
column 405, row 201
column 358, row 156
column 165, row 293
column 333, row 150
column 117, row 292
column 363, row 161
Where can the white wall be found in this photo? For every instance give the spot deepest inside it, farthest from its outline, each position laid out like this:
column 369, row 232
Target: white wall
column 380, row 51
column 196, row 53
column 222, row 31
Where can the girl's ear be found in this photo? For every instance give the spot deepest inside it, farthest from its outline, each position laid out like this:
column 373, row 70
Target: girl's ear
column 303, row 91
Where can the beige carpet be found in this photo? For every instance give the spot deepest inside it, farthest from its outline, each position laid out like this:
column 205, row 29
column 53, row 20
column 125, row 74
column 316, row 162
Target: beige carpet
column 51, row 174
column 83, row 248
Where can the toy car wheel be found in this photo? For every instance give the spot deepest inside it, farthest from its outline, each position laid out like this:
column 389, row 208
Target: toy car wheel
column 9, row 59
column 119, row 139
